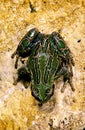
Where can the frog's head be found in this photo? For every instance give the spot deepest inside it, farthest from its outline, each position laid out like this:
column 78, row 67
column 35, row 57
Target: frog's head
column 42, row 93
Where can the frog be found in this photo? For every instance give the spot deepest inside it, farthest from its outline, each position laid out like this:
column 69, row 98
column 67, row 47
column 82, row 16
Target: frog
column 47, row 59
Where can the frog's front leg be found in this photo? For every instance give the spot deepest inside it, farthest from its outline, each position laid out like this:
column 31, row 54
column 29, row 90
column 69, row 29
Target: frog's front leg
column 67, row 77
column 23, row 75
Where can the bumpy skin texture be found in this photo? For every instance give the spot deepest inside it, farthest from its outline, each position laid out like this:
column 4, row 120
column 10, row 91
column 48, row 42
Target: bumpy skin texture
column 48, row 59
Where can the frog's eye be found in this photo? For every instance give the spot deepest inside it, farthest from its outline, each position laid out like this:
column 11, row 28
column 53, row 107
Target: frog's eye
column 50, row 91
column 35, row 91
column 47, row 91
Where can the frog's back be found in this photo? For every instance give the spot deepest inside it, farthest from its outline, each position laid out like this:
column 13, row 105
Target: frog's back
column 43, row 63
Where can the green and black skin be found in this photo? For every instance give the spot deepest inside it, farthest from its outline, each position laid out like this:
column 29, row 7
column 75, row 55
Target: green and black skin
column 48, row 59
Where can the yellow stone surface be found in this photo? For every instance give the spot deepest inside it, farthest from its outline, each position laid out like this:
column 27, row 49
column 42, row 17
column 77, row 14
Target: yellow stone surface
column 18, row 109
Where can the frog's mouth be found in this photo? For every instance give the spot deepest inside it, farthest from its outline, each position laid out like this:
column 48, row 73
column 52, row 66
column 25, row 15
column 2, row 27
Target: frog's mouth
column 45, row 97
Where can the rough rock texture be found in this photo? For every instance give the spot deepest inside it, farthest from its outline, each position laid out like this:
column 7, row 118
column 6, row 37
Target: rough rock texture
column 18, row 109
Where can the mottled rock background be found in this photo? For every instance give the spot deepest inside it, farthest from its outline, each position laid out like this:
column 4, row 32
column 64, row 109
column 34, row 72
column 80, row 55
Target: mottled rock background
column 18, row 109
